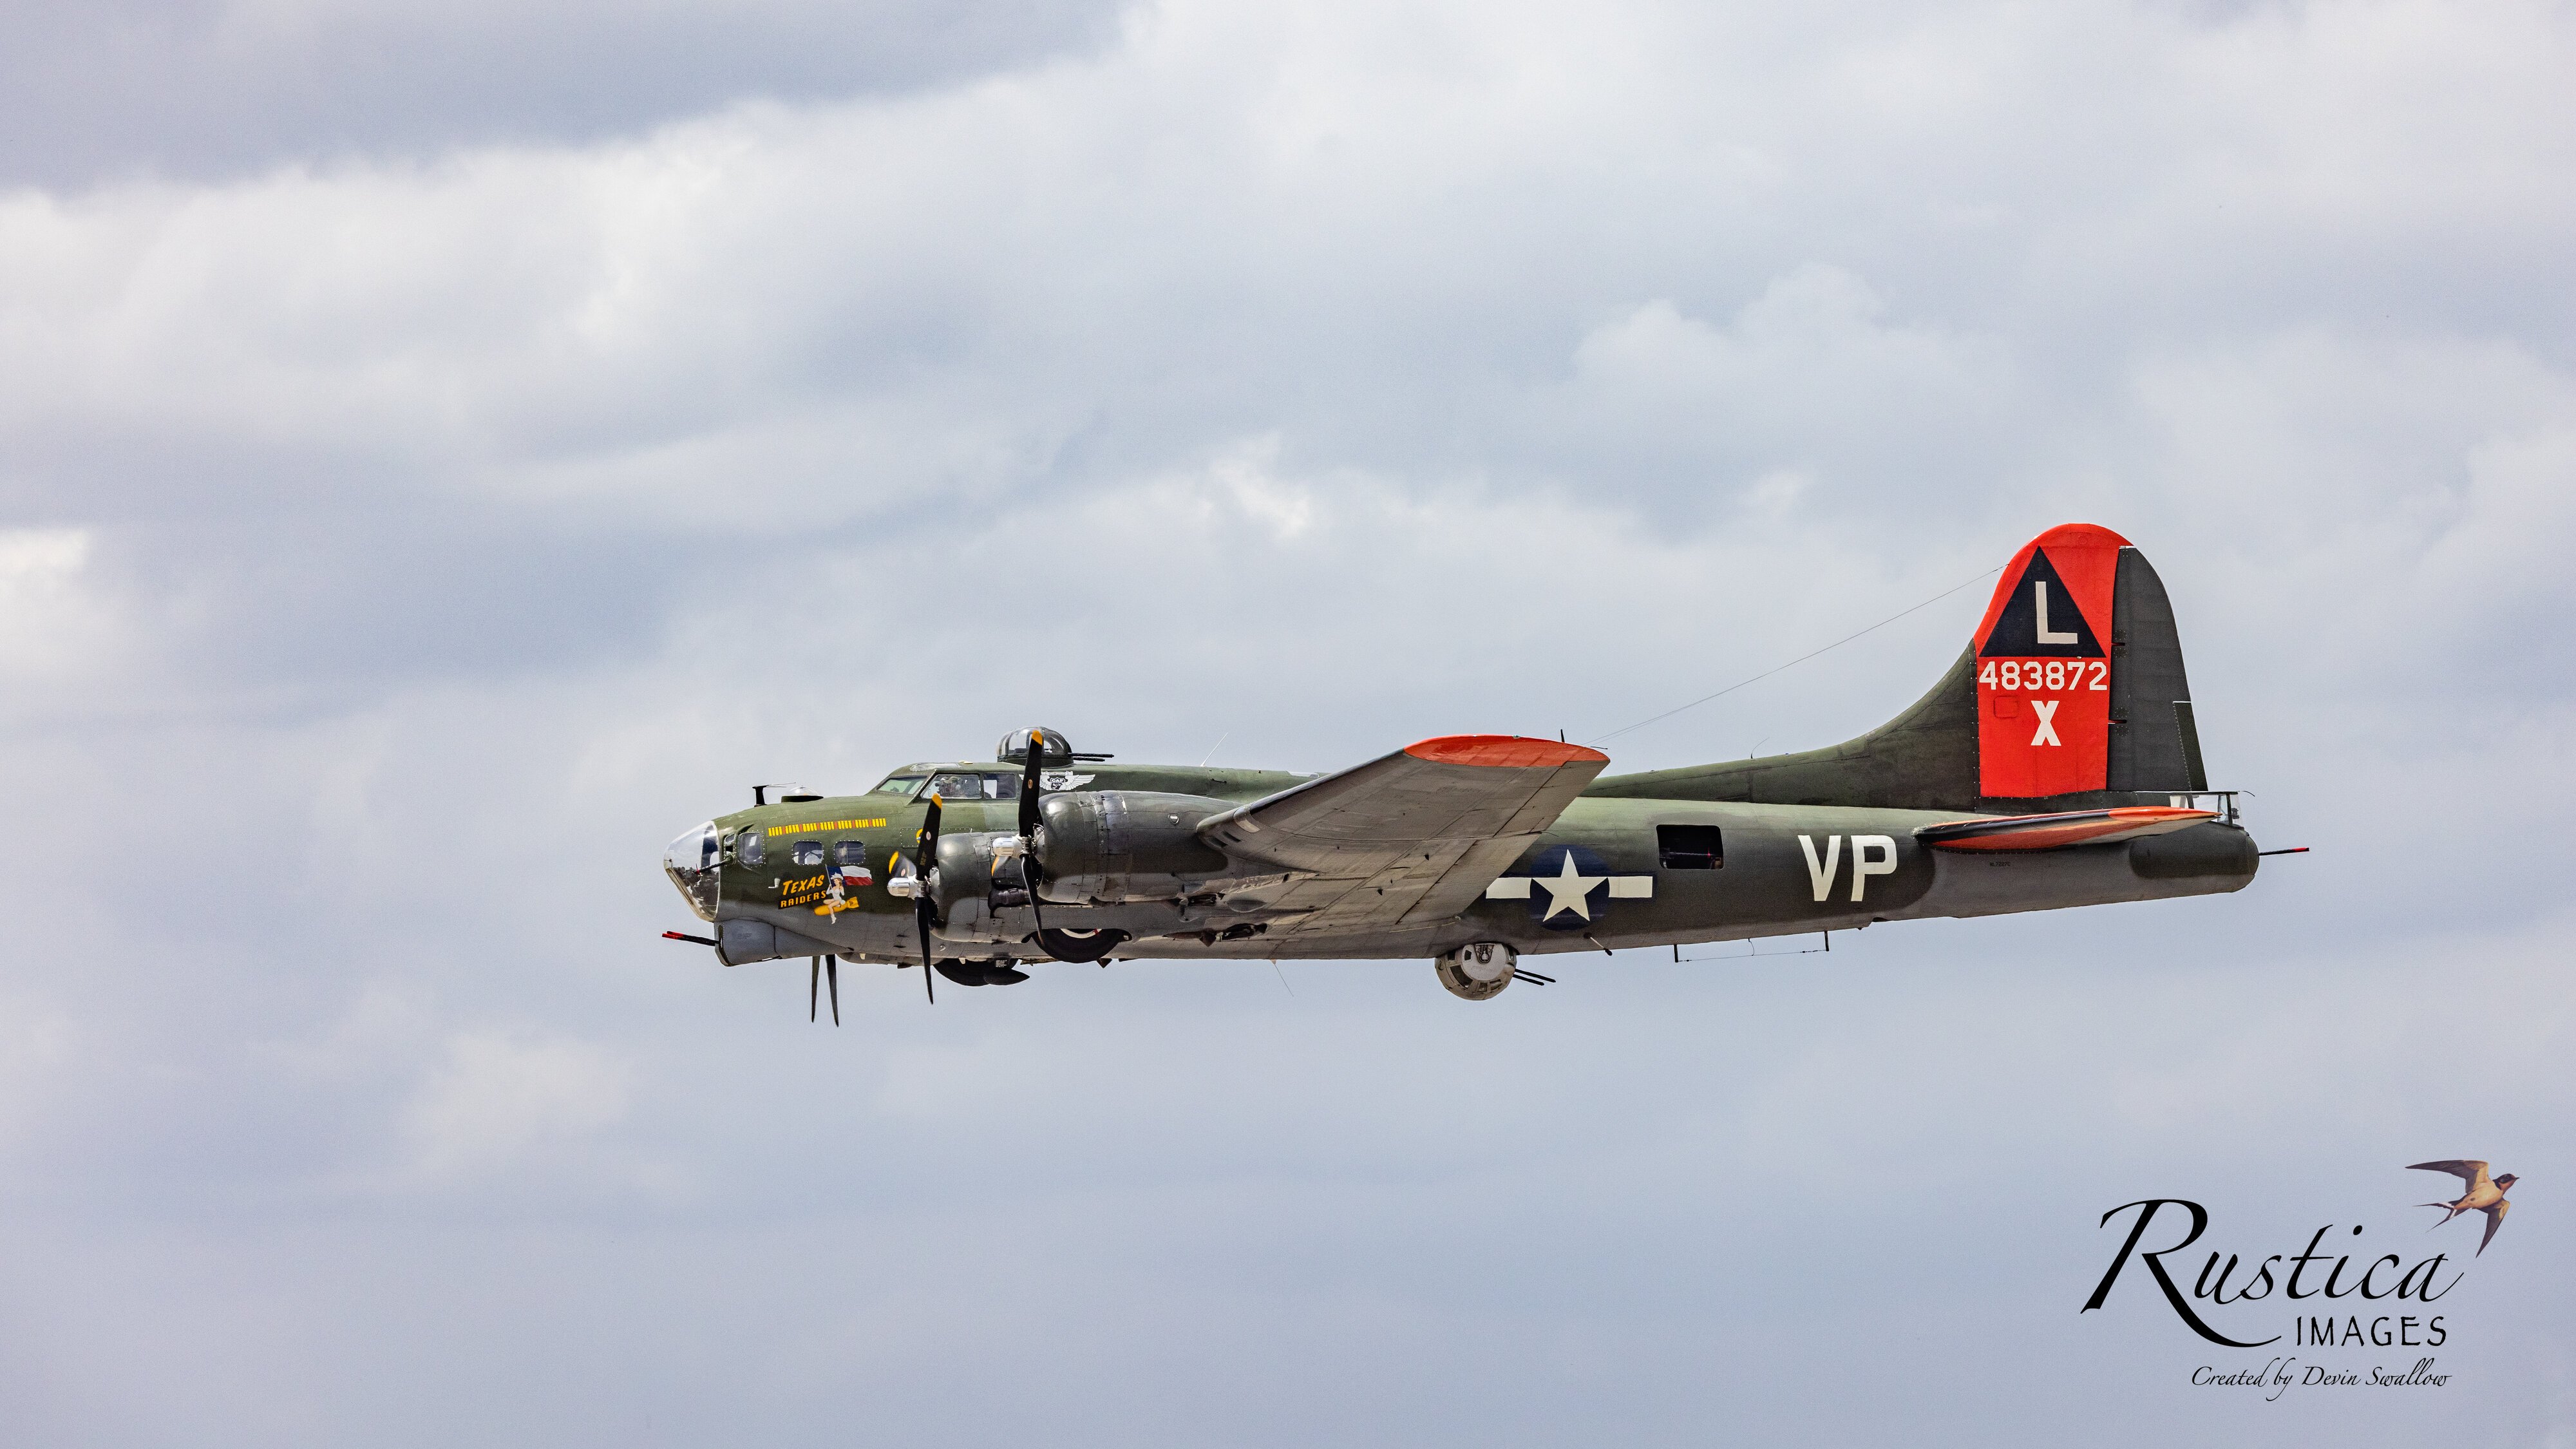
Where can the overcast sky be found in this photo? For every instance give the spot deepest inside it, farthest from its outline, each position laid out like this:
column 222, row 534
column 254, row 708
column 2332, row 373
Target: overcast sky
column 448, row 449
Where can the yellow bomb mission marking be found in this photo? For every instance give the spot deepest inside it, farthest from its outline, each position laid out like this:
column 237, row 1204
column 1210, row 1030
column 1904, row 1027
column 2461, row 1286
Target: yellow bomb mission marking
column 827, row 825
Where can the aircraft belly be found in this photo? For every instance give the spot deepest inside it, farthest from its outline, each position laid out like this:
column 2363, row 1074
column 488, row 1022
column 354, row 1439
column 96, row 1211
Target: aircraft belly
column 764, row 933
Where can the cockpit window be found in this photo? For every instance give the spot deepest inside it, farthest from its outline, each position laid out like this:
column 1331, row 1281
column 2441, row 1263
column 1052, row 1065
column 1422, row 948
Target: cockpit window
column 746, row 846
column 956, row 787
column 897, row 785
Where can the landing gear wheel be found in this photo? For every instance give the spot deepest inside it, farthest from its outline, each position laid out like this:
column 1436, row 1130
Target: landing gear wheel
column 1080, row 945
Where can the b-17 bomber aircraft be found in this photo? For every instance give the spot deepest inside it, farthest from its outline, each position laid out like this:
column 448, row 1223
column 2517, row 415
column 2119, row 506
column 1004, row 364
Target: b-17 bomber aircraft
column 2056, row 764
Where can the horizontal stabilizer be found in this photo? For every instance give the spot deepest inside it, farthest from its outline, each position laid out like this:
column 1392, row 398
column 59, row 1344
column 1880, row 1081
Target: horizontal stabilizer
column 2050, row 832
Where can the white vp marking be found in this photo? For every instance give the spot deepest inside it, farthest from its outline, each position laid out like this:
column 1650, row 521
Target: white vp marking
column 2039, row 596
column 1871, row 855
column 2046, row 709
column 1821, row 872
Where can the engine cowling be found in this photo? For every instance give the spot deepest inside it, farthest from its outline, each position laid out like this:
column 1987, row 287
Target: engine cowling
column 1478, row 972
column 967, row 869
column 1123, row 845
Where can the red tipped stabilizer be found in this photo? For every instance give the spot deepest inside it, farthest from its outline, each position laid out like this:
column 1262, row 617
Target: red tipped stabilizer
column 2072, row 827
column 1511, row 751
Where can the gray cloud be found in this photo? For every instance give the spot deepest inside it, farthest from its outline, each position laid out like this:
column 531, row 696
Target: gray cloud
column 205, row 88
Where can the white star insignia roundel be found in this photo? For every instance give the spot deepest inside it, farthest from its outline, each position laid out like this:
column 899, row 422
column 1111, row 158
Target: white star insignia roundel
column 1568, row 888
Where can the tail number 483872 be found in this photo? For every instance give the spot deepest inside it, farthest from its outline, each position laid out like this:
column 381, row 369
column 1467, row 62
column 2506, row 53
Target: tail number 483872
column 2018, row 674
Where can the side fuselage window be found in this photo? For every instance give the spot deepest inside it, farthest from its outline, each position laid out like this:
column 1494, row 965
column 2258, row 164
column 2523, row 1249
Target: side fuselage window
column 746, row 845
column 807, row 853
column 849, row 852
column 1689, row 847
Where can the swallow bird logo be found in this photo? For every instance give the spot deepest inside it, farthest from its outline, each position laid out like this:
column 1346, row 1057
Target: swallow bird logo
column 2484, row 1195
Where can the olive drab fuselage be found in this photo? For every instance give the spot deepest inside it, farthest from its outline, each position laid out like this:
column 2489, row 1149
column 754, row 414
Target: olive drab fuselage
column 2056, row 763
column 1600, row 879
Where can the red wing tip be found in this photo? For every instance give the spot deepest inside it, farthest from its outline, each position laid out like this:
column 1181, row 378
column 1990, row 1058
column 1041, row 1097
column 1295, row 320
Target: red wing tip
column 1508, row 751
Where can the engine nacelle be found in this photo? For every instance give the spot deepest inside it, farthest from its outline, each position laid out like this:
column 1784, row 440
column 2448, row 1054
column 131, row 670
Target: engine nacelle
column 966, row 868
column 1123, row 845
column 1478, row 972
column 979, row 875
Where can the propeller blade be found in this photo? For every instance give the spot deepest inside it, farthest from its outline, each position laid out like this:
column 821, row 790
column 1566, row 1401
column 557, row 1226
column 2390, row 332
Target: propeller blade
column 1029, row 822
column 925, row 910
column 813, row 988
column 1029, row 784
column 832, row 969
column 921, row 918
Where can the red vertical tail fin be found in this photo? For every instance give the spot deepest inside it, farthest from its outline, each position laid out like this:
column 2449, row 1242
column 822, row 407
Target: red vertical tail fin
column 2044, row 660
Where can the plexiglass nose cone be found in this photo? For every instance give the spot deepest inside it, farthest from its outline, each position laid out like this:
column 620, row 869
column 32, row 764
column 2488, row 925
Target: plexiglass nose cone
column 691, row 864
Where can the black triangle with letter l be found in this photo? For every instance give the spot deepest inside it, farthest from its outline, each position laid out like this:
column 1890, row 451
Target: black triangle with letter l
column 2016, row 632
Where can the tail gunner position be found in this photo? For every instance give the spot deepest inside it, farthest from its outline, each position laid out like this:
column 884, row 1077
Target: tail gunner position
column 2056, row 764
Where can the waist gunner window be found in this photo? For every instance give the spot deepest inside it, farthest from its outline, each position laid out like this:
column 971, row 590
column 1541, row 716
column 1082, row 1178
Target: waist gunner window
column 1689, row 847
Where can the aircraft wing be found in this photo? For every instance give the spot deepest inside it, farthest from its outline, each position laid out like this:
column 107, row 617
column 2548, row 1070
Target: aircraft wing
column 1410, row 838
column 2071, row 827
